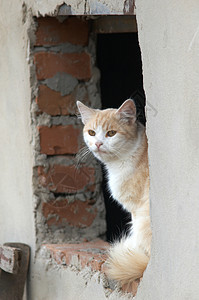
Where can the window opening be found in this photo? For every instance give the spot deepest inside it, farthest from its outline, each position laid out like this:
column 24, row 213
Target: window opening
column 119, row 61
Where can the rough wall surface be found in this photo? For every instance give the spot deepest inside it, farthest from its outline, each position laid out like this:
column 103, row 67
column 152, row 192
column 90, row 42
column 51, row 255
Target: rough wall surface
column 67, row 188
column 69, row 283
column 82, row 7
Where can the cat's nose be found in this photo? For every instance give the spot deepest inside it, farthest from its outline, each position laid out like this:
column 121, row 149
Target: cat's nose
column 98, row 144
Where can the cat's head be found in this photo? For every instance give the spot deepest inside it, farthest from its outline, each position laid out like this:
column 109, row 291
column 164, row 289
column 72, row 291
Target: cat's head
column 109, row 133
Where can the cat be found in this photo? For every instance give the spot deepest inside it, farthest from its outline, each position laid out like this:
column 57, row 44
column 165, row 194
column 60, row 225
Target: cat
column 119, row 141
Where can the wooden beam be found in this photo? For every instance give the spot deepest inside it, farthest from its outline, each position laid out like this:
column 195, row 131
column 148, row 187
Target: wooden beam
column 9, row 259
column 12, row 285
column 115, row 24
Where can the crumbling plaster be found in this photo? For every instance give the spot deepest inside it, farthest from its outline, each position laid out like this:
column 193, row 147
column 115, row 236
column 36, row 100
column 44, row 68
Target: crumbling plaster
column 81, row 7
column 61, row 283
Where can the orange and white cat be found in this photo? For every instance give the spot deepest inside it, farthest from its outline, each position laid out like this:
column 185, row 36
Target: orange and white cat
column 117, row 139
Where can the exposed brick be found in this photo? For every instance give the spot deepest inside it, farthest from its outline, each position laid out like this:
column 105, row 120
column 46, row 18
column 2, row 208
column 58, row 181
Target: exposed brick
column 92, row 254
column 67, row 179
column 59, row 139
column 75, row 64
column 52, row 103
column 61, row 212
column 52, row 32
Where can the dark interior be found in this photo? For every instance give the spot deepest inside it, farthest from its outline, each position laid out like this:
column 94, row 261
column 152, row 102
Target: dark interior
column 119, row 61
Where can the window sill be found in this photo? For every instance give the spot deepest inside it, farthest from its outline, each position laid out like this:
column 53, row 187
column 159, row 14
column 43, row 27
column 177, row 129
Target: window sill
column 91, row 254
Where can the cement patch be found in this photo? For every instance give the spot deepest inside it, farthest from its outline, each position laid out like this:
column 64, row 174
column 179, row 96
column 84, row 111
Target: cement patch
column 62, row 82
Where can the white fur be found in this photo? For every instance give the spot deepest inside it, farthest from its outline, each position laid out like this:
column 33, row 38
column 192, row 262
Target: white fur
column 113, row 148
column 120, row 154
column 123, row 151
column 120, row 170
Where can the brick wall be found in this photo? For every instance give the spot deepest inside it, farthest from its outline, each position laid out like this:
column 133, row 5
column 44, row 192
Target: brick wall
column 68, row 199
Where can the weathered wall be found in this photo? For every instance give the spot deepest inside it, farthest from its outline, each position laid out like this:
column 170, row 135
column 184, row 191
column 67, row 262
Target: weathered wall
column 18, row 201
column 82, row 7
column 16, row 208
column 59, row 283
column 169, row 40
column 67, row 188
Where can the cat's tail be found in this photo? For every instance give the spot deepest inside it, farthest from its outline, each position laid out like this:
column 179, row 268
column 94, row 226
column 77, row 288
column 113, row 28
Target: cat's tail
column 125, row 264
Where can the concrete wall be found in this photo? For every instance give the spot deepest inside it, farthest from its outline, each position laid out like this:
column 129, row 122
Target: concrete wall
column 169, row 39
column 68, row 284
column 16, row 207
column 82, row 7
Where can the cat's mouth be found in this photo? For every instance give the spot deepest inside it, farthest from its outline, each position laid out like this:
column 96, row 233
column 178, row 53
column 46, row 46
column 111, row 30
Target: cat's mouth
column 100, row 151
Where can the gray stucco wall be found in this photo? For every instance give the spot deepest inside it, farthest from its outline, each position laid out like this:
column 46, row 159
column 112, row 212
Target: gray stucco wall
column 16, row 151
column 169, row 39
column 16, row 208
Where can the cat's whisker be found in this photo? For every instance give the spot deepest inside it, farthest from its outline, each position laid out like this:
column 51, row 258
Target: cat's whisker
column 115, row 152
column 82, row 151
column 122, row 148
column 83, row 154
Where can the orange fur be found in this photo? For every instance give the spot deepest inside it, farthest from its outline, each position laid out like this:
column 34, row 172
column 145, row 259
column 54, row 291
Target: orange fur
column 128, row 260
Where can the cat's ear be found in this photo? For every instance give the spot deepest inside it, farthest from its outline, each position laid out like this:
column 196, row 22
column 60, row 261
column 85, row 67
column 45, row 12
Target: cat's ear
column 86, row 112
column 127, row 111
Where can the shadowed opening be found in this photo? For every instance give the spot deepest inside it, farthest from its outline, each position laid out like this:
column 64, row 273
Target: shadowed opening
column 119, row 61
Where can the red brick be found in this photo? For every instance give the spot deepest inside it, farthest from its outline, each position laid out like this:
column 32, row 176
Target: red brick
column 67, row 179
column 75, row 64
column 92, row 254
column 52, row 32
column 59, row 139
column 78, row 213
column 52, row 103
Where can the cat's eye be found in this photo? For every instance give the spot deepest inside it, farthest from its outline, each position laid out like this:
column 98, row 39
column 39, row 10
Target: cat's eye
column 111, row 133
column 91, row 132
